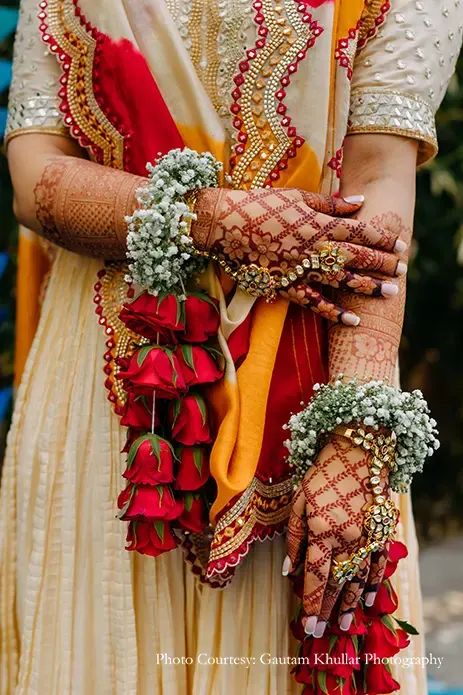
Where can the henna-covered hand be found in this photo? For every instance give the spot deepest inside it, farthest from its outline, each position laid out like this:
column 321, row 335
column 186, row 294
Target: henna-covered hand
column 326, row 526
column 278, row 228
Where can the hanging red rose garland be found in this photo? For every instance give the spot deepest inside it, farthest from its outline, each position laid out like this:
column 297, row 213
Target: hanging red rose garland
column 166, row 416
column 354, row 662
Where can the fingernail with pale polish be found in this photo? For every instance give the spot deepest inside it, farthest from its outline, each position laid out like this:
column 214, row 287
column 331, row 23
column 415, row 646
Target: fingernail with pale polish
column 320, row 629
column 401, row 268
column 346, row 622
column 400, row 246
column 310, row 625
column 286, row 569
column 350, row 319
column 370, row 599
column 355, row 199
column 388, row 289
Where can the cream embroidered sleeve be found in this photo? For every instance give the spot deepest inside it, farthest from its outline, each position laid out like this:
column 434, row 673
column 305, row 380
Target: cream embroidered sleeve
column 401, row 75
column 33, row 102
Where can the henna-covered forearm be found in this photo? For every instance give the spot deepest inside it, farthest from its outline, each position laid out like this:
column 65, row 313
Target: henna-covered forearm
column 81, row 206
column 371, row 351
column 383, row 168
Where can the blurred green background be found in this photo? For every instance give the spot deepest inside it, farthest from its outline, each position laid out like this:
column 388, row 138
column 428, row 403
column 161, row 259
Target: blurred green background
column 431, row 356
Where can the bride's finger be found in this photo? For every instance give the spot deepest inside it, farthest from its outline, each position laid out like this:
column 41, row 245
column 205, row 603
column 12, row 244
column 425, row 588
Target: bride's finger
column 316, row 575
column 334, row 206
column 310, row 298
column 378, row 566
column 351, row 593
column 366, row 259
column 358, row 284
column 360, row 232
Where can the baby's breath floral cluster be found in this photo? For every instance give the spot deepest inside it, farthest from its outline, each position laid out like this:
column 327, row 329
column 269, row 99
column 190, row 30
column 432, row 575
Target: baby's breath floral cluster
column 374, row 404
column 159, row 250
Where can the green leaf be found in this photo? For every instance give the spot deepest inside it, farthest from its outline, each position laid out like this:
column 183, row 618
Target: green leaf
column 332, row 641
column 141, row 354
column 170, row 356
column 202, row 408
column 155, row 448
column 181, row 312
column 160, row 489
column 388, row 622
column 198, row 459
column 189, row 498
column 321, row 678
column 134, row 450
column 176, row 410
column 187, row 352
column 409, row 629
column 159, row 528
column 124, row 509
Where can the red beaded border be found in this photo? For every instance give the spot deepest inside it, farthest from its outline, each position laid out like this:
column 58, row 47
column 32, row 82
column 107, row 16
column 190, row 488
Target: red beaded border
column 341, row 55
column 335, row 162
column 251, row 54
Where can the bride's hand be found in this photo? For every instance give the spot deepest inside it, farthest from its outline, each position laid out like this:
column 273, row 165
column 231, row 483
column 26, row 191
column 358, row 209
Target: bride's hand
column 278, row 228
column 326, row 526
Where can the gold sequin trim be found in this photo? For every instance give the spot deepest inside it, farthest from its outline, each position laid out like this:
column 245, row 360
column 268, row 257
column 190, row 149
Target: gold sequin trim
column 385, row 111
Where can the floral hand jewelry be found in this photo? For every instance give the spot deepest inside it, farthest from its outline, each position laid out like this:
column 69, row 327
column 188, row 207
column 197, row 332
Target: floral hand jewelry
column 381, row 518
column 374, row 404
column 259, row 281
column 399, row 454
column 160, row 252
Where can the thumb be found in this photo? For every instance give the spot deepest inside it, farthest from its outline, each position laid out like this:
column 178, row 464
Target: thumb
column 335, row 206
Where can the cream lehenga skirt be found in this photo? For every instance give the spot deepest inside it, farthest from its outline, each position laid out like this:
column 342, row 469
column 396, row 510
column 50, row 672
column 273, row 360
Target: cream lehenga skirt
column 79, row 614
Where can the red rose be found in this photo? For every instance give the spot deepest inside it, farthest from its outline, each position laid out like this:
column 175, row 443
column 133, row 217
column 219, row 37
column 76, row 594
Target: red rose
column 137, row 413
column 386, row 601
column 197, row 365
column 150, row 461
column 383, row 639
column 150, row 537
column 194, row 516
column 345, row 657
column 396, row 552
column 148, row 502
column 153, row 317
column 193, row 470
column 152, row 369
column 379, row 680
column 202, row 318
column 188, row 419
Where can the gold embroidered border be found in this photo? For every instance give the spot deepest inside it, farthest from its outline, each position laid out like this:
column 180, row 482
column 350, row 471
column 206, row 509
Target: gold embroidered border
column 111, row 291
column 266, row 505
column 66, row 32
column 373, row 15
column 267, row 141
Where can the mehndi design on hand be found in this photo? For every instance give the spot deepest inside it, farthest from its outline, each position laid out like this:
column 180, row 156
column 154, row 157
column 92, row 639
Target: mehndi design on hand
column 279, row 229
column 326, row 525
